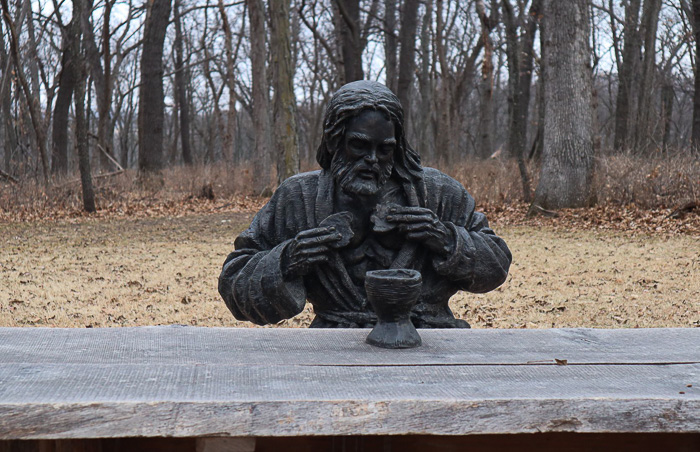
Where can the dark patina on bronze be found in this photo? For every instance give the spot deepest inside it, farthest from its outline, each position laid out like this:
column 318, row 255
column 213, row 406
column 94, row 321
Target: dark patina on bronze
column 371, row 207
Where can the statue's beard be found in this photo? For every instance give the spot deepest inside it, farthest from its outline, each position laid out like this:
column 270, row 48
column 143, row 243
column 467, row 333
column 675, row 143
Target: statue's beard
column 346, row 175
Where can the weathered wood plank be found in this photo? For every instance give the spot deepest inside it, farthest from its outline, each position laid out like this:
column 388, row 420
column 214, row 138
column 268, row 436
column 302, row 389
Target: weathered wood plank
column 282, row 346
column 82, row 401
column 194, row 382
column 104, row 383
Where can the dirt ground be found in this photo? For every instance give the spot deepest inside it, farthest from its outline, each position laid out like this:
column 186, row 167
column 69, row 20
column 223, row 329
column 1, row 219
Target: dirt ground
column 153, row 271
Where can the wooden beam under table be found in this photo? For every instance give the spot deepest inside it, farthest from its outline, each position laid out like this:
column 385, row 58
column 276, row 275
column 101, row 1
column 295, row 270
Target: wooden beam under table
column 540, row 442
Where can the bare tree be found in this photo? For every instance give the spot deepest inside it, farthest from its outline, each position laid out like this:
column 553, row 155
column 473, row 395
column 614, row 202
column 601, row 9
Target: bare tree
column 105, row 67
column 349, row 33
column 520, row 64
column 32, row 97
column 696, row 100
column 151, row 96
column 181, row 87
column 284, row 106
column 81, row 127
column 261, row 112
column 6, row 122
column 650, row 20
column 488, row 23
column 407, row 61
column 424, row 126
column 567, row 160
column 231, row 57
column 391, row 45
column 454, row 78
column 628, row 74
column 66, row 86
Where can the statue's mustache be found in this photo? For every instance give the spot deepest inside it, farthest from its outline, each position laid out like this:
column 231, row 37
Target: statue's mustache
column 361, row 166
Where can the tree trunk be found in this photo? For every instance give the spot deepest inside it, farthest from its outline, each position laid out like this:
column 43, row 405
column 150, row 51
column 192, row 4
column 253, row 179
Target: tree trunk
column 102, row 79
column 667, row 95
column 696, row 99
column 350, row 46
column 103, row 88
column 261, row 111
column 443, row 120
column 407, row 61
column 520, row 63
column 536, row 149
column 81, row 127
column 567, row 160
column 9, row 136
column 631, row 54
column 391, row 45
column 485, row 144
column 31, row 57
column 285, row 124
column 650, row 22
column 151, row 100
column 231, row 117
column 33, row 100
column 181, row 88
column 66, row 84
column 425, row 127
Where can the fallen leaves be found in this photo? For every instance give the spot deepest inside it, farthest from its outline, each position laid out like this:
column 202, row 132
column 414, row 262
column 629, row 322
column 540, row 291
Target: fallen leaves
column 629, row 218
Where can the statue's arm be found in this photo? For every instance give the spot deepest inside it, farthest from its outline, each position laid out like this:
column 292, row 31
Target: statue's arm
column 479, row 260
column 252, row 282
column 254, row 288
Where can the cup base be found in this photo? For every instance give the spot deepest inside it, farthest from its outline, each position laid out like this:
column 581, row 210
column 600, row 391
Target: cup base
column 401, row 334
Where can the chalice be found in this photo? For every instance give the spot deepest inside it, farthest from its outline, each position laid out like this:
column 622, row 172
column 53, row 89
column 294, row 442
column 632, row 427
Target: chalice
column 392, row 293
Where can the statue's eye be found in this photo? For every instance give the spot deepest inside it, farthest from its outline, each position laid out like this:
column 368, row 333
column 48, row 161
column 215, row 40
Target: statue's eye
column 387, row 148
column 358, row 143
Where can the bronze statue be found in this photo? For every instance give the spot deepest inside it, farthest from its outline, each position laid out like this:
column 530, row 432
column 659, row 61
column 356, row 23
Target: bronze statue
column 372, row 206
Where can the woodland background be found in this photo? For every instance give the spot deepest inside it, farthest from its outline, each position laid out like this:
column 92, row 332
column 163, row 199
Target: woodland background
column 138, row 138
column 211, row 98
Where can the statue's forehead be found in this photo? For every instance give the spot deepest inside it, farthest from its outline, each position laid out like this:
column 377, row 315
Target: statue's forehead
column 370, row 122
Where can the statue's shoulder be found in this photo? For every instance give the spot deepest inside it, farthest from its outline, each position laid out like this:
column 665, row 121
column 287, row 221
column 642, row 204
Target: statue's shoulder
column 302, row 181
column 437, row 180
column 442, row 190
column 310, row 176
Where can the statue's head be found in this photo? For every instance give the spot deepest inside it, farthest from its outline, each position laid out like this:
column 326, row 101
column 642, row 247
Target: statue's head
column 363, row 140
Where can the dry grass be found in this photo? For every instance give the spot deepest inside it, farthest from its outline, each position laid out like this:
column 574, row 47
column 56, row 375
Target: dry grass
column 150, row 271
column 646, row 182
column 653, row 182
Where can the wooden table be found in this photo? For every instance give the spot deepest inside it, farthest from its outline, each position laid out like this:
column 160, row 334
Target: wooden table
column 211, row 389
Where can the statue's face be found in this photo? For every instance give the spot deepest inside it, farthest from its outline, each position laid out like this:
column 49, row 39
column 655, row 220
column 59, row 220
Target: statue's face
column 366, row 156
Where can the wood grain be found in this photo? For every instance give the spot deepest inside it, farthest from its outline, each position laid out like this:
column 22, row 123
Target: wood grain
column 196, row 382
column 249, row 346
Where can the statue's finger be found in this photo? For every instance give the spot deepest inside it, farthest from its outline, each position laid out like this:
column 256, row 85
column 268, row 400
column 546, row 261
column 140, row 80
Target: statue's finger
column 412, row 210
column 417, row 227
column 418, row 236
column 317, row 240
column 319, row 259
column 314, row 250
column 409, row 218
column 315, row 232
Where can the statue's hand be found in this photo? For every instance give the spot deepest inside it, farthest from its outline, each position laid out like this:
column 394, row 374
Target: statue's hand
column 309, row 248
column 419, row 224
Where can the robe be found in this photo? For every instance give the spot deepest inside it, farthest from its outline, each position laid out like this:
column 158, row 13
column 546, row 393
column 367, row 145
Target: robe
column 255, row 288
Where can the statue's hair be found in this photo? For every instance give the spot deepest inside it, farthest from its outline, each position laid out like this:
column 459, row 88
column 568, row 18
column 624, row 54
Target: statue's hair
column 347, row 103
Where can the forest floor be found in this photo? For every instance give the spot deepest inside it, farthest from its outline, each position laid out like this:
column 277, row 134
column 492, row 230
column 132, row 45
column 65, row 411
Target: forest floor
column 587, row 268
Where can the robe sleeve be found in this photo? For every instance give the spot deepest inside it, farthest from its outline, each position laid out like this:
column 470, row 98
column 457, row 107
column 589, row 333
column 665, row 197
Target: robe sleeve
column 252, row 282
column 480, row 260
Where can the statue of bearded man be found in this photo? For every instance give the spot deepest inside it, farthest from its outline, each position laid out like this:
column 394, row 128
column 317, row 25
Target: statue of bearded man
column 371, row 207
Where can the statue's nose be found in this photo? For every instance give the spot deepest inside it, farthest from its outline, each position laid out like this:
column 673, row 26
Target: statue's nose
column 371, row 156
